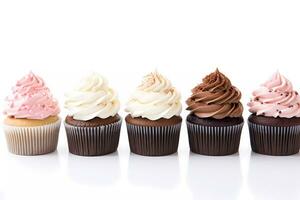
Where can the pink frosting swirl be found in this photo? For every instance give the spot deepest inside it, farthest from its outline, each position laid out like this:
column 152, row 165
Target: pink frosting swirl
column 31, row 99
column 276, row 98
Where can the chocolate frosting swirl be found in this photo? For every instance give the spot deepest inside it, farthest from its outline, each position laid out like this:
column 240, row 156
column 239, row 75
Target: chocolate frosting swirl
column 215, row 97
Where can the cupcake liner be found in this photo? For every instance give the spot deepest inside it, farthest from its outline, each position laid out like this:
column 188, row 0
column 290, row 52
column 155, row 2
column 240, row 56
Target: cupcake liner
column 153, row 140
column 93, row 141
column 214, row 140
column 32, row 140
column 277, row 140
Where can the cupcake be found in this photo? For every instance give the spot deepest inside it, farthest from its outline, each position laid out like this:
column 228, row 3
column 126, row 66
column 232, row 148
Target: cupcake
column 93, row 125
column 154, row 121
column 274, row 124
column 31, row 123
column 215, row 121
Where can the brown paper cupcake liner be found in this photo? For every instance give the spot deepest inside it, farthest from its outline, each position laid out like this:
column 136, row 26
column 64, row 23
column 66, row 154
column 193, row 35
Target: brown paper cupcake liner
column 276, row 141
column 93, row 141
column 153, row 140
column 213, row 140
column 32, row 140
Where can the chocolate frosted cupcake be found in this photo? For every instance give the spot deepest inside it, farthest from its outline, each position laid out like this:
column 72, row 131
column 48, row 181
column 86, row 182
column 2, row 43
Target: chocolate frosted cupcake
column 154, row 121
column 215, row 122
column 93, row 125
column 274, row 126
column 31, row 124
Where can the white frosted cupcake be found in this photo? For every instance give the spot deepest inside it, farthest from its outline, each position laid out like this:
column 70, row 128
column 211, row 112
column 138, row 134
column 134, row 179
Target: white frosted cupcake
column 93, row 125
column 154, row 121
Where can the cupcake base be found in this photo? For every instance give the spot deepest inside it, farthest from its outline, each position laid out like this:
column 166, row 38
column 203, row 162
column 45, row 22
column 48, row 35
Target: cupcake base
column 95, row 122
column 274, row 140
column 93, row 141
column 30, row 141
column 214, row 139
column 156, row 138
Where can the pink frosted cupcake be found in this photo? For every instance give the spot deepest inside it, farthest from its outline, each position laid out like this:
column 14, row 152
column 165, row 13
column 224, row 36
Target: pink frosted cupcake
column 274, row 126
column 31, row 121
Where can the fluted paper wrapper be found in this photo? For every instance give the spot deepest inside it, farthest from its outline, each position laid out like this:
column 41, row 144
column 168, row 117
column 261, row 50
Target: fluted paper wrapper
column 93, row 141
column 31, row 141
column 214, row 140
column 274, row 140
column 153, row 140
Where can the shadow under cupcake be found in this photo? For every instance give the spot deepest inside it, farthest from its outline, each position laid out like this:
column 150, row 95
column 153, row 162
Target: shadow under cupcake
column 274, row 177
column 101, row 171
column 214, row 177
column 165, row 168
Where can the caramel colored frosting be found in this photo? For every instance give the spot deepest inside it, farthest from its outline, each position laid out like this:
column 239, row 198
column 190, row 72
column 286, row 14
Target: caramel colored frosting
column 215, row 97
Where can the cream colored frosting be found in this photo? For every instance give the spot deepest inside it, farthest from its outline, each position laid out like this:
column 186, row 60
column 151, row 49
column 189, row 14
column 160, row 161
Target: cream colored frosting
column 154, row 99
column 92, row 98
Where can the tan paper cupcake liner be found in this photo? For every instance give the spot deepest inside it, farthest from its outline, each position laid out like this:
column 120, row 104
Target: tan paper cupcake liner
column 153, row 141
column 214, row 141
column 276, row 141
column 32, row 140
column 93, row 141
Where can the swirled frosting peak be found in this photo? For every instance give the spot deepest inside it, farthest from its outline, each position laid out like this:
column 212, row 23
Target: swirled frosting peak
column 92, row 98
column 31, row 99
column 275, row 98
column 154, row 99
column 215, row 97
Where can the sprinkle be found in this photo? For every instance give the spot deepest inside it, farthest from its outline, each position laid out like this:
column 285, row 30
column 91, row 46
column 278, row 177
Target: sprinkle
column 296, row 93
column 271, row 90
column 290, row 106
column 281, row 94
column 280, row 112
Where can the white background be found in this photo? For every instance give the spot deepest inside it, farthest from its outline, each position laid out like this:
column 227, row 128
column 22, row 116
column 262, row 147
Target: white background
column 185, row 40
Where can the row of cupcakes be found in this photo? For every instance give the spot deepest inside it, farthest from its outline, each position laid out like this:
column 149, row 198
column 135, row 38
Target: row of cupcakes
column 93, row 125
